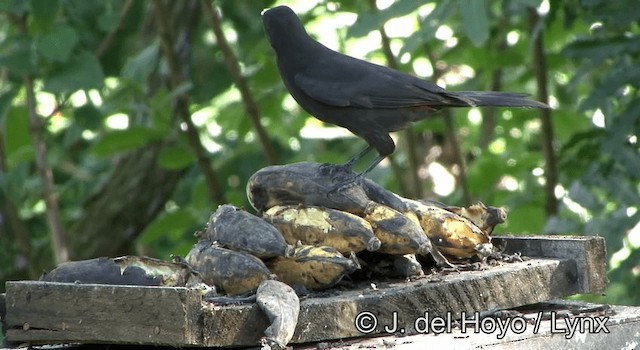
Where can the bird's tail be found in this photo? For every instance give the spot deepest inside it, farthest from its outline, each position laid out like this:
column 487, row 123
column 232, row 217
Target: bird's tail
column 495, row 98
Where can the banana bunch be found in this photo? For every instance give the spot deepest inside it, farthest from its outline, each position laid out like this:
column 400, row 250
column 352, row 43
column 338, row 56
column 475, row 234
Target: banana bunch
column 302, row 200
column 314, row 218
column 235, row 246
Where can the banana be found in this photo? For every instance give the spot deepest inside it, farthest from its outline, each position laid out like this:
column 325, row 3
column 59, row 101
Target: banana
column 237, row 229
column 125, row 270
column 322, row 226
column 452, row 234
column 486, row 218
column 230, row 271
column 377, row 265
column 310, row 184
column 281, row 305
column 398, row 234
column 313, row 267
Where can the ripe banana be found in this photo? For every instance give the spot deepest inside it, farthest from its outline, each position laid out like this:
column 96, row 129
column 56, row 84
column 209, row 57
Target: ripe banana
column 125, row 270
column 322, row 226
column 237, row 229
column 230, row 271
column 398, row 234
column 486, row 218
column 313, row 267
column 452, row 234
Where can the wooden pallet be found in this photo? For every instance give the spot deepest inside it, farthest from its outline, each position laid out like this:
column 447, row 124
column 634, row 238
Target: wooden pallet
column 48, row 313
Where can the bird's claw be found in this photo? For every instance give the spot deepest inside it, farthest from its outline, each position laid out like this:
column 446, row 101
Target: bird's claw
column 344, row 186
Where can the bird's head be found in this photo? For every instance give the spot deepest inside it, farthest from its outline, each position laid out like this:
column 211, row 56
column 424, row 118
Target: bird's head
column 283, row 27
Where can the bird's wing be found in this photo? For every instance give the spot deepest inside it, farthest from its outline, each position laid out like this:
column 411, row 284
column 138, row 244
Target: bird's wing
column 356, row 83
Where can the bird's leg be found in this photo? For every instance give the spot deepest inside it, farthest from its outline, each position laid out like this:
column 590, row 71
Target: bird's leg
column 349, row 165
column 358, row 179
column 373, row 164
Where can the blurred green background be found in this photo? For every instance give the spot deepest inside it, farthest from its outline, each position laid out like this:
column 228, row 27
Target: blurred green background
column 123, row 124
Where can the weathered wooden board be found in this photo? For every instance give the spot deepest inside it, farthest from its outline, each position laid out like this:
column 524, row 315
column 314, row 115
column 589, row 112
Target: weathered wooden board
column 40, row 312
column 588, row 252
column 50, row 312
column 613, row 327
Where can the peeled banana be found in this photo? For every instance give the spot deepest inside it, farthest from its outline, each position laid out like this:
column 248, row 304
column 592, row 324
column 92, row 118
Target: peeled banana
column 313, row 267
column 376, row 265
column 237, row 229
column 452, row 234
column 309, row 184
column 486, row 218
column 231, row 271
column 125, row 270
column 398, row 234
column 322, row 226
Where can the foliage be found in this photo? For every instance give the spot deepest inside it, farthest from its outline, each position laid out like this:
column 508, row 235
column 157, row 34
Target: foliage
column 106, row 95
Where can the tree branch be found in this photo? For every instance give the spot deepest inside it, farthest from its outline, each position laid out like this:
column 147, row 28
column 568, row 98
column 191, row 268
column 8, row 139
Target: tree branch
column 182, row 105
column 490, row 117
column 540, row 70
column 106, row 42
column 452, row 135
column 102, row 48
column 12, row 227
column 36, row 126
column 233, row 66
column 60, row 250
column 408, row 135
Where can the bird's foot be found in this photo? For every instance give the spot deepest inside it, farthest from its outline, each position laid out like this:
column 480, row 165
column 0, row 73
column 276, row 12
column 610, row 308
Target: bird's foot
column 346, row 184
column 337, row 170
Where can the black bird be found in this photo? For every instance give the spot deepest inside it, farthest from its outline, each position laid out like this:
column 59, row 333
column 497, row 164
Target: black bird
column 368, row 99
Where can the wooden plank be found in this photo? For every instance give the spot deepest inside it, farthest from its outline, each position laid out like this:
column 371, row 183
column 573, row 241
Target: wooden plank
column 335, row 317
column 39, row 312
column 588, row 252
column 45, row 312
column 621, row 330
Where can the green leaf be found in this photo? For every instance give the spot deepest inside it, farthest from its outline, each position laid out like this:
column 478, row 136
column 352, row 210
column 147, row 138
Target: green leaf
column 525, row 218
column 528, row 3
column 428, row 27
column 58, row 44
column 370, row 21
column 107, row 22
column 167, row 225
column 6, row 98
column 16, row 55
column 16, row 7
column 140, row 66
column 485, row 172
column 581, row 195
column 474, row 20
column 600, row 49
column 82, row 72
column 18, row 146
column 176, row 157
column 123, row 140
column 87, row 117
column 44, row 13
